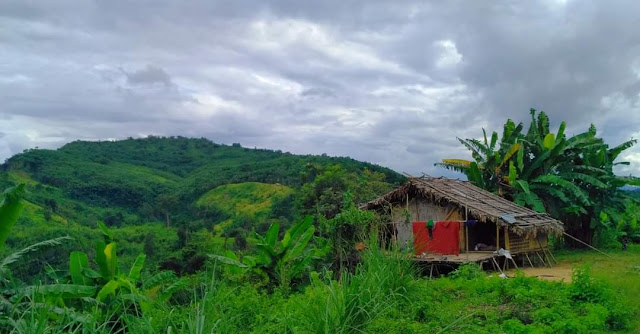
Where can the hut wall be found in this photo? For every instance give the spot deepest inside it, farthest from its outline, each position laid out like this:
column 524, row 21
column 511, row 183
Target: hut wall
column 526, row 243
column 517, row 243
column 422, row 210
column 404, row 229
column 539, row 241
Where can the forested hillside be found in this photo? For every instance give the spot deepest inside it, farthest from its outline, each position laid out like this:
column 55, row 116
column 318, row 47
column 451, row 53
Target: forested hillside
column 172, row 190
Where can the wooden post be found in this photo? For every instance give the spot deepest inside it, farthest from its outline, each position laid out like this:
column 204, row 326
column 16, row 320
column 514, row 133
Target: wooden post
column 527, row 256
column 466, row 239
column 407, row 201
column 506, row 239
column 541, row 259
column 497, row 237
column 466, row 230
column 543, row 252
column 514, row 262
column 553, row 257
column 394, row 228
column 497, row 265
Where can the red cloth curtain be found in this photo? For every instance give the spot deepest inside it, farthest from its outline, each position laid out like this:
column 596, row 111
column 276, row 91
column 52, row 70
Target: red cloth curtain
column 421, row 238
column 444, row 238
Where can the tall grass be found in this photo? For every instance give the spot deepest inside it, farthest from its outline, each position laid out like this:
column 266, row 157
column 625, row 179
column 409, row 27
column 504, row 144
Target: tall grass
column 382, row 295
column 380, row 282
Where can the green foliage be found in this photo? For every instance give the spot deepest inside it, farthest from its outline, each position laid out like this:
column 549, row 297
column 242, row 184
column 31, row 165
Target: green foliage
column 251, row 198
column 348, row 230
column 108, row 280
column 155, row 178
column 380, row 283
column 570, row 177
column 585, row 288
column 185, row 184
column 281, row 260
column 117, row 289
column 246, row 204
column 10, row 207
column 324, row 197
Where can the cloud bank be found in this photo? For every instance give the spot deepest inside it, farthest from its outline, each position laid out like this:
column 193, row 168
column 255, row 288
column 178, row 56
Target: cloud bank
column 387, row 82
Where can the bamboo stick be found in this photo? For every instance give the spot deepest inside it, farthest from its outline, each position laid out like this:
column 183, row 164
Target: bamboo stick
column 586, row 244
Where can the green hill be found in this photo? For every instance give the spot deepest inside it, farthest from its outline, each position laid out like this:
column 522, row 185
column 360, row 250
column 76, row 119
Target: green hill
column 169, row 197
column 135, row 181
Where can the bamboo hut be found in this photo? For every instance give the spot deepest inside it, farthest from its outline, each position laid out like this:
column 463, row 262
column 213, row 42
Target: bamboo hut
column 475, row 224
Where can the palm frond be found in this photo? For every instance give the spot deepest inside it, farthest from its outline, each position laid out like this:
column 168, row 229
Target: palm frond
column 453, row 167
column 543, row 124
column 512, row 150
column 553, row 191
column 585, row 178
column 589, row 169
column 531, row 200
column 509, row 127
column 12, row 258
column 483, row 149
column 475, row 153
column 478, row 151
column 560, row 134
column 160, row 278
column 494, row 141
column 614, row 152
column 514, row 136
column 570, row 187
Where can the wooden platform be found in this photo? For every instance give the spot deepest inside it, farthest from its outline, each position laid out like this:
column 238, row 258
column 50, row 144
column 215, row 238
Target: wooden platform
column 473, row 257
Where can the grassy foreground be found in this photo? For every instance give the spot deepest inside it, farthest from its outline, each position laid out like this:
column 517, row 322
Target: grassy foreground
column 383, row 296
column 622, row 273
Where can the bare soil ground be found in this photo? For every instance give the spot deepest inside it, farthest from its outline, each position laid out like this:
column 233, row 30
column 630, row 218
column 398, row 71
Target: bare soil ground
column 559, row 272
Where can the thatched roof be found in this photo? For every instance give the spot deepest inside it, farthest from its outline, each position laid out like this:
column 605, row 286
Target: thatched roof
column 481, row 204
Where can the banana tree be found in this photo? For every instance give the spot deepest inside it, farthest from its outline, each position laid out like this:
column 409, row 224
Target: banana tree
column 490, row 157
column 570, row 177
column 280, row 260
column 108, row 278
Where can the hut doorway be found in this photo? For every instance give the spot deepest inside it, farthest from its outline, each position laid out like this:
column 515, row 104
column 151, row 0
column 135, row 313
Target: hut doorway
column 482, row 237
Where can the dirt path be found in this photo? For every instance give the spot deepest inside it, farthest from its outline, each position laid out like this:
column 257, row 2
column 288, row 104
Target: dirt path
column 559, row 272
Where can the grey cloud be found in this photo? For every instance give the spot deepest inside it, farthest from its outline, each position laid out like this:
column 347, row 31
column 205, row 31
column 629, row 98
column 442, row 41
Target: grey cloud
column 148, row 75
column 389, row 82
column 319, row 92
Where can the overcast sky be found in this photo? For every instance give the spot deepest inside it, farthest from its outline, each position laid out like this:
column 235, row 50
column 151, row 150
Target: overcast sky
column 389, row 82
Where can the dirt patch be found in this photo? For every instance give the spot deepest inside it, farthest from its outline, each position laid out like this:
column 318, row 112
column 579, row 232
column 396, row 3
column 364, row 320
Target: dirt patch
column 559, row 272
